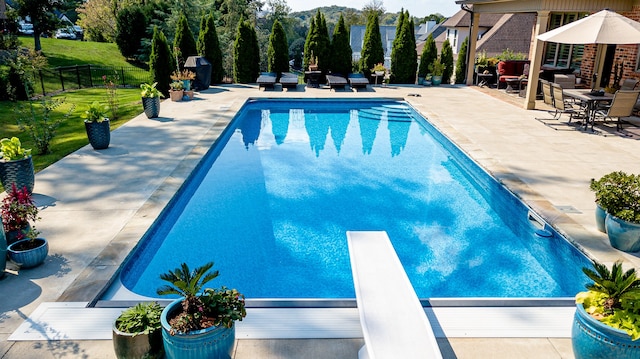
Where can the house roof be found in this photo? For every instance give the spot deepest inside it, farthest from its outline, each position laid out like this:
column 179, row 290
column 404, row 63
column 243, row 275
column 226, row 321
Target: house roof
column 463, row 19
column 512, row 31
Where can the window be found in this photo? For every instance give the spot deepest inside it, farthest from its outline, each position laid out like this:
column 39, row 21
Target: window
column 563, row 55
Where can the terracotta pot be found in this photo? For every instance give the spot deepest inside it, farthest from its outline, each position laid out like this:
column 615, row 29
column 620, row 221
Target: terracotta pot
column 176, row 95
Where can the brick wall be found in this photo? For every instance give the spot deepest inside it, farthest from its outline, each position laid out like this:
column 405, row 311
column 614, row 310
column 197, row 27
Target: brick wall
column 625, row 54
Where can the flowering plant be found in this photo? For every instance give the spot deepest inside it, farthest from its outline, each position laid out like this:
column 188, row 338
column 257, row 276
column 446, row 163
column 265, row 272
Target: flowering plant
column 111, row 85
column 18, row 209
column 183, row 75
column 201, row 309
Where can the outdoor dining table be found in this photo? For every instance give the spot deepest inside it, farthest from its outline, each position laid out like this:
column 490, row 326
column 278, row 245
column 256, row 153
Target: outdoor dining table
column 591, row 101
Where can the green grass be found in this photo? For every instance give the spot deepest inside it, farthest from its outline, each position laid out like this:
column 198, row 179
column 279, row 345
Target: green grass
column 61, row 52
column 71, row 134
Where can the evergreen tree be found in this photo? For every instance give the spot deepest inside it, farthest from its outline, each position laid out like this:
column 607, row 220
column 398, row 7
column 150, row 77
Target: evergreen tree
column 341, row 49
column 278, row 52
column 209, row 47
column 245, row 52
column 446, row 57
column 161, row 62
column 429, row 55
column 323, row 43
column 372, row 51
column 403, row 55
column 306, row 56
column 461, row 64
column 184, row 44
column 131, row 25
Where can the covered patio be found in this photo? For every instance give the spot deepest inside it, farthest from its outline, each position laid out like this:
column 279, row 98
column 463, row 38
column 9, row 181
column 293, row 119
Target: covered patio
column 550, row 16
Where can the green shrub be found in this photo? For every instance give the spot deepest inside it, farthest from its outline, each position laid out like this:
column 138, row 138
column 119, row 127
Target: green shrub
column 161, row 63
column 209, row 47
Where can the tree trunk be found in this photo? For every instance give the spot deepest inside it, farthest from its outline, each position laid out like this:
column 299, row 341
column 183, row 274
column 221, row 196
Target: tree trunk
column 36, row 41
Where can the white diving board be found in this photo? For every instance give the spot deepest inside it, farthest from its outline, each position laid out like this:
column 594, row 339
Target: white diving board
column 394, row 324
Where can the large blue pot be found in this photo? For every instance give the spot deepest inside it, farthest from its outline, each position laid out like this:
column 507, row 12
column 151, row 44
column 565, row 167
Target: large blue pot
column 211, row 343
column 601, row 215
column 623, row 235
column 3, row 251
column 31, row 257
column 19, row 172
column 592, row 339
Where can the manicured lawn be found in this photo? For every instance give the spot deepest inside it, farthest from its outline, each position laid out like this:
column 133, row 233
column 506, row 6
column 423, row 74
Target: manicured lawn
column 71, row 134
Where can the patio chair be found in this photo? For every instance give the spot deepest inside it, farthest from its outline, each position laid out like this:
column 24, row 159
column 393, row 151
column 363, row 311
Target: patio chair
column 629, row 84
column 266, row 80
column 289, row 80
column 621, row 106
column 358, row 81
column 547, row 98
column 336, row 81
column 565, row 106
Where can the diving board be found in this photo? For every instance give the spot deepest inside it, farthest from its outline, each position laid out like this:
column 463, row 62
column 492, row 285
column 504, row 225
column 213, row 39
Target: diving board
column 394, row 324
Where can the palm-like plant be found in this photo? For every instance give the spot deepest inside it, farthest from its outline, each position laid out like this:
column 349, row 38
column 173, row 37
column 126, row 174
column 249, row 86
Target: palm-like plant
column 201, row 308
column 613, row 284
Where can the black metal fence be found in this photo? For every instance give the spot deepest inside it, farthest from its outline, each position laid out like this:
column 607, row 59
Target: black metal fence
column 48, row 81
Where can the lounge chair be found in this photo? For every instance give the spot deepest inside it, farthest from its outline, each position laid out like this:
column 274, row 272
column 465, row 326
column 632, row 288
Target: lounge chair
column 357, row 81
column 266, row 79
column 289, row 80
column 336, row 81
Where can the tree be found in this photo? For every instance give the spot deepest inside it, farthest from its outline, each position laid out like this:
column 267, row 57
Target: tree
column 278, row 53
column 372, row 51
column 161, row 62
column 461, row 64
column 246, row 57
column 403, row 55
column 429, row 55
column 184, row 44
column 97, row 20
column 42, row 15
column 446, row 57
column 308, row 50
column 341, row 49
column 373, row 7
column 323, row 43
column 295, row 52
column 209, row 47
column 130, row 30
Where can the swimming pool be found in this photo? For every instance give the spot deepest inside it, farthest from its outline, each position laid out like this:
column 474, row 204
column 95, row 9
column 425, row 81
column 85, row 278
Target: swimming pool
column 273, row 198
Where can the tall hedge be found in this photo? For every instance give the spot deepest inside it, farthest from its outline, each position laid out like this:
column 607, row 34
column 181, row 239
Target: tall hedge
column 306, row 59
column 372, row 52
column 208, row 46
column 429, row 55
column 131, row 26
column 341, row 51
column 403, row 55
column 184, row 43
column 323, row 43
column 446, row 57
column 246, row 54
column 278, row 51
column 161, row 62
column 461, row 64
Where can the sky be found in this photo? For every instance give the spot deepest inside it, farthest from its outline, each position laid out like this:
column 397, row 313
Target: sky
column 417, row 8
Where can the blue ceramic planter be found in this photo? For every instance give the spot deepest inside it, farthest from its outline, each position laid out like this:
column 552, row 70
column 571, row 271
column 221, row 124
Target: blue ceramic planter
column 623, row 235
column 31, row 257
column 99, row 134
column 19, row 172
column 211, row 343
column 594, row 340
column 3, row 251
column 601, row 215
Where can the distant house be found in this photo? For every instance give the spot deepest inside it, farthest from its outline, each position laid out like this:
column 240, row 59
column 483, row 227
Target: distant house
column 387, row 34
column 496, row 32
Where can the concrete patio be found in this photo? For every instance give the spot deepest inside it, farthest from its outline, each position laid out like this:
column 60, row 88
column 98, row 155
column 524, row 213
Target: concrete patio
column 98, row 204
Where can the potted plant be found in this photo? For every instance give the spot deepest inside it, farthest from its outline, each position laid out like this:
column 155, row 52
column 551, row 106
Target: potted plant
column 30, row 251
column 176, row 91
column 200, row 324
column 185, row 76
column 618, row 194
column 137, row 332
column 379, row 69
column 16, row 165
column 313, row 62
column 18, row 211
column 151, row 99
column 96, row 123
column 607, row 319
column 437, row 69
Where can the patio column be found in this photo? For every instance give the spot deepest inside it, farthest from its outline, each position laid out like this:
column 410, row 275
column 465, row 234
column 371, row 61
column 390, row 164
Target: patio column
column 473, row 40
column 541, row 26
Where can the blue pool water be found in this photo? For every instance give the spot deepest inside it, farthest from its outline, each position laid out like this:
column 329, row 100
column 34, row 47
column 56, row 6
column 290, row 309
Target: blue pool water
column 272, row 200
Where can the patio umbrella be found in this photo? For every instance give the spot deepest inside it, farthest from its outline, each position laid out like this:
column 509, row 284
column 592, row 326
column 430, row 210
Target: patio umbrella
column 603, row 27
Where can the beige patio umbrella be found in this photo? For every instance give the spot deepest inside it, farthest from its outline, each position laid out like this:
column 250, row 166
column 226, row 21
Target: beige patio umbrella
column 602, row 28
